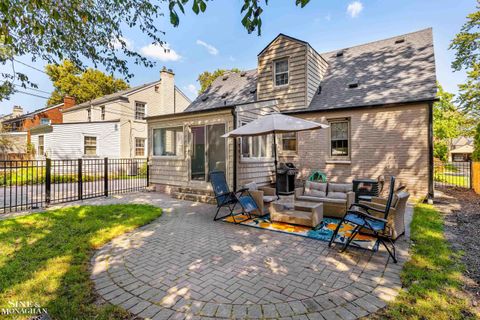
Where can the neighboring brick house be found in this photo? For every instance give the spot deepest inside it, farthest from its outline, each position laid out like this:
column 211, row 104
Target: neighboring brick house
column 376, row 97
column 112, row 125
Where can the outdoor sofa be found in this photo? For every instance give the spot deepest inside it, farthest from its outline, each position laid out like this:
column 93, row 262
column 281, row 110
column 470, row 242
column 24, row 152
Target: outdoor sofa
column 336, row 197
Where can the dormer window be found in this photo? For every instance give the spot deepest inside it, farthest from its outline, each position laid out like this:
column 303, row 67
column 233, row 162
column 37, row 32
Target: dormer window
column 280, row 72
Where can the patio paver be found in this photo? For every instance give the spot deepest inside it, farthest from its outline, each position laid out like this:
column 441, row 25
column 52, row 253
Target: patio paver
column 184, row 265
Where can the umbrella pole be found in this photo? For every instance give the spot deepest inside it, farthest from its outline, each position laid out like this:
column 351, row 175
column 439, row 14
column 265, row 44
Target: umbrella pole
column 275, row 162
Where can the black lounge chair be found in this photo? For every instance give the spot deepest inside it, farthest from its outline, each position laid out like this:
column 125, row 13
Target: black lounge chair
column 360, row 215
column 229, row 199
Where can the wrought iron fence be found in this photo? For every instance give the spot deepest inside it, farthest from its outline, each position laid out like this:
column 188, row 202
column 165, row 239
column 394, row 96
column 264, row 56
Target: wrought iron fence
column 453, row 174
column 32, row 184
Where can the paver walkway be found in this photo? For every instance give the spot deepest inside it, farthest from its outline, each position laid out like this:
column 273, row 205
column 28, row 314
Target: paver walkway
column 185, row 266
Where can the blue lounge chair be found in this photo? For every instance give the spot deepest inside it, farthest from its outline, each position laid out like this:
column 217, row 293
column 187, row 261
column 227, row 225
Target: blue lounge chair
column 229, row 199
column 360, row 215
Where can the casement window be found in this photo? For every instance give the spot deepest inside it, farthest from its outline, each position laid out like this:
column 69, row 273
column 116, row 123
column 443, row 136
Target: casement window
column 139, row 110
column 280, row 72
column 45, row 121
column 340, row 138
column 102, row 112
column 41, row 145
column 89, row 115
column 140, row 147
column 90, row 145
column 289, row 142
column 256, row 147
column 168, row 141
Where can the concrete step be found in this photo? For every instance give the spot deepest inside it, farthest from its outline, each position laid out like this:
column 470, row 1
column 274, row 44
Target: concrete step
column 204, row 192
column 194, row 197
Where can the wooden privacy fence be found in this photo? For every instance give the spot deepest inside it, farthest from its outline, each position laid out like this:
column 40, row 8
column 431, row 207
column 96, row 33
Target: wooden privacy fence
column 476, row 177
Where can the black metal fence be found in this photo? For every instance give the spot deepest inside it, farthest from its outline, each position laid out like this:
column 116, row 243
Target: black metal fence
column 453, row 174
column 32, row 184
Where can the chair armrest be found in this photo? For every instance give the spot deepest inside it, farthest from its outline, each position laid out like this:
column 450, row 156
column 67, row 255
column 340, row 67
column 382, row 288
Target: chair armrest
column 367, row 215
column 268, row 191
column 364, row 207
column 298, row 192
column 350, row 198
column 241, row 190
column 379, row 200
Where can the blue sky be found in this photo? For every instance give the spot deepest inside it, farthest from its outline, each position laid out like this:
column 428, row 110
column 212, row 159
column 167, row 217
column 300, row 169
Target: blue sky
column 216, row 38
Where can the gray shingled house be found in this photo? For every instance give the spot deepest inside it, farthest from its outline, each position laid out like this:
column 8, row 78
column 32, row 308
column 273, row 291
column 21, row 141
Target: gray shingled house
column 376, row 97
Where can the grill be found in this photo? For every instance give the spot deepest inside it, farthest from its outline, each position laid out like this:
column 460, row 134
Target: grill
column 365, row 189
column 286, row 174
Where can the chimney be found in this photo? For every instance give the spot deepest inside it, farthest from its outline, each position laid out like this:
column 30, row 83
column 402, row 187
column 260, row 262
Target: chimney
column 166, row 90
column 17, row 111
column 68, row 102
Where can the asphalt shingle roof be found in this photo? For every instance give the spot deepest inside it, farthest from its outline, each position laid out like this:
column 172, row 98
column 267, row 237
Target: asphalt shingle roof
column 387, row 72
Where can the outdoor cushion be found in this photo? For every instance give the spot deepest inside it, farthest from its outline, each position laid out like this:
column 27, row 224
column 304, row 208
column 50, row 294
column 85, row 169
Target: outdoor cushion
column 374, row 225
column 340, row 187
column 251, row 185
column 269, row 198
column 317, row 199
column 337, row 195
column 315, row 189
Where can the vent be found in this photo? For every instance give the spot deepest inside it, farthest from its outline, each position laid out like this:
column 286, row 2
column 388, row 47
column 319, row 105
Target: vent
column 224, row 95
column 400, row 40
column 204, row 98
column 225, row 77
column 243, row 74
column 340, row 53
column 253, row 90
column 319, row 90
column 353, row 84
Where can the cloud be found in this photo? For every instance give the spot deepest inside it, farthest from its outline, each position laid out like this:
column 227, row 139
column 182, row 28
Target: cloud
column 128, row 43
column 354, row 8
column 162, row 53
column 211, row 49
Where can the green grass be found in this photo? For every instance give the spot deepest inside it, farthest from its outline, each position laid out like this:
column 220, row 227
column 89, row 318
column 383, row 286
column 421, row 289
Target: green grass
column 44, row 257
column 461, row 181
column 433, row 276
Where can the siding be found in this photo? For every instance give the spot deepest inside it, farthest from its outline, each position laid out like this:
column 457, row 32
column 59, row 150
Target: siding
column 292, row 96
column 65, row 141
column 389, row 140
column 316, row 68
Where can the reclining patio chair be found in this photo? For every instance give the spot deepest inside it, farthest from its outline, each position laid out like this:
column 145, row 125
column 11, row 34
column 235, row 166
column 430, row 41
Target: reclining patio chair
column 228, row 199
column 361, row 216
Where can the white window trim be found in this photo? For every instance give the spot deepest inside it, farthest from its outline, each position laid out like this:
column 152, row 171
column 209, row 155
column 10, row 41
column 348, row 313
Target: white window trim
column 38, row 146
column 144, row 147
column 269, row 142
column 275, row 72
column 96, row 146
column 289, row 152
column 145, row 113
column 180, row 156
column 103, row 113
column 339, row 159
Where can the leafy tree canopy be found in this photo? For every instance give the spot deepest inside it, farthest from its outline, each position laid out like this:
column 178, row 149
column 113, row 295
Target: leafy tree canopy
column 87, row 32
column 476, row 145
column 206, row 78
column 87, row 85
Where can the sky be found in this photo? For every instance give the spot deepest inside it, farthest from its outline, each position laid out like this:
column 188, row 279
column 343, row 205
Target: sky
column 217, row 39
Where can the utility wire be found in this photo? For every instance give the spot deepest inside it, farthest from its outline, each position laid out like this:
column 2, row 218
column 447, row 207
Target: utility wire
column 25, row 64
column 32, row 94
column 34, row 89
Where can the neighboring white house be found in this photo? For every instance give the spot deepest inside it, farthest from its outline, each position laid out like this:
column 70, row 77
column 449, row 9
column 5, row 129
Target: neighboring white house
column 125, row 110
column 77, row 140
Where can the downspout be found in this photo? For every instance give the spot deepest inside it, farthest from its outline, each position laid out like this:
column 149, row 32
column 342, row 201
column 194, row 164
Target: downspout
column 430, row 195
column 235, row 146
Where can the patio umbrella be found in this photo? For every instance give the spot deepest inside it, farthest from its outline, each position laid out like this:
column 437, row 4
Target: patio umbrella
column 274, row 123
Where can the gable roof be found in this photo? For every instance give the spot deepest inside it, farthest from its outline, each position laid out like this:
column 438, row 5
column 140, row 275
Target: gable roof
column 387, row 73
column 231, row 88
column 32, row 113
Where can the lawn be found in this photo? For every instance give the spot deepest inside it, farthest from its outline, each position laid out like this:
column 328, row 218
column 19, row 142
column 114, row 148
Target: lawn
column 44, row 257
column 432, row 277
column 460, row 181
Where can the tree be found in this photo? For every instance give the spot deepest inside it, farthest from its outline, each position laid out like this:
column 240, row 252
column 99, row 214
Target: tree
column 69, row 80
column 467, row 56
column 206, row 78
column 476, row 145
column 87, row 32
column 448, row 122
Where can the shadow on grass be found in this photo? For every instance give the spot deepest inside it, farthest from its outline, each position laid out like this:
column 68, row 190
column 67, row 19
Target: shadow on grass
column 44, row 257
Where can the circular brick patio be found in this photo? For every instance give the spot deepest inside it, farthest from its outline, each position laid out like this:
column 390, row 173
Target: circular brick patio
column 185, row 266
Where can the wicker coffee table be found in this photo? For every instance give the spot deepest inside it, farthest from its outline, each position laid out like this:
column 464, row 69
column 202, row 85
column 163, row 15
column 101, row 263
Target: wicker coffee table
column 303, row 213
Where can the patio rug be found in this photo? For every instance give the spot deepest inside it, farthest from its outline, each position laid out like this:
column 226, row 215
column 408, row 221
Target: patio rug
column 323, row 233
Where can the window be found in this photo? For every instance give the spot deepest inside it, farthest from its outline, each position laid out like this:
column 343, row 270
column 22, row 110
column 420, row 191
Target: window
column 139, row 147
column 139, row 110
column 168, row 141
column 44, row 121
column 41, row 145
column 280, row 71
column 102, row 112
column 90, row 146
column 339, row 136
column 289, row 141
column 89, row 115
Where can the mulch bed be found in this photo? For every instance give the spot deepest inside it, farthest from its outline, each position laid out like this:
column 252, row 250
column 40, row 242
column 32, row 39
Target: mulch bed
column 462, row 228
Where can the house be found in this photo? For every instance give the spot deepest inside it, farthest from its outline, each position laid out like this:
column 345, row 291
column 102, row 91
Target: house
column 461, row 149
column 16, row 112
column 377, row 98
column 112, row 125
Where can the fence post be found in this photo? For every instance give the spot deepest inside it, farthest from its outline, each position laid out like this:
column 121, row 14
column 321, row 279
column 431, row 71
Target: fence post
column 48, row 180
column 148, row 173
column 471, row 174
column 80, row 179
column 105, row 176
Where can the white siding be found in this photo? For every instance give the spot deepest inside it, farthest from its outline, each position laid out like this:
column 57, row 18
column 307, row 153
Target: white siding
column 66, row 140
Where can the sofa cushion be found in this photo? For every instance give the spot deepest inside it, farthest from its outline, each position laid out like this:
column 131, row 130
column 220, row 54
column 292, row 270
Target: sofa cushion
column 317, row 199
column 315, row 189
column 251, row 185
column 340, row 187
column 269, row 198
column 337, row 195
